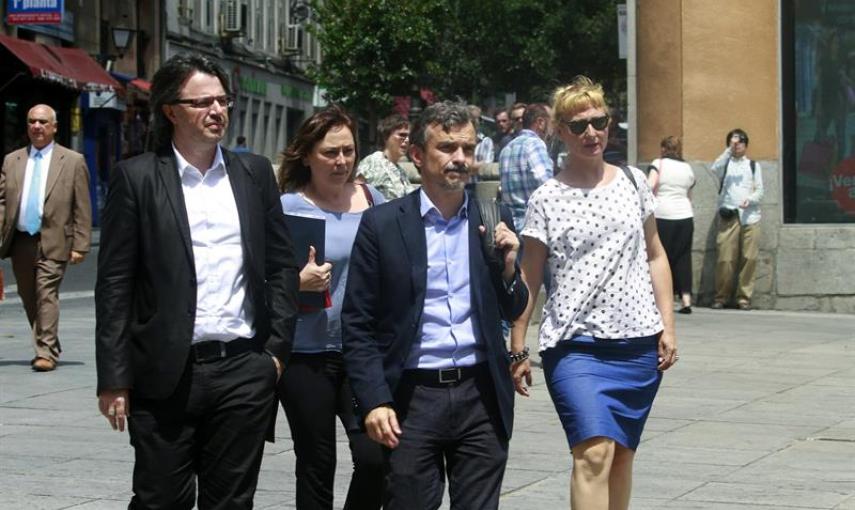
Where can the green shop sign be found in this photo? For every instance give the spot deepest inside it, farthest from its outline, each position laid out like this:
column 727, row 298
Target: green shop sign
column 296, row 92
column 253, row 86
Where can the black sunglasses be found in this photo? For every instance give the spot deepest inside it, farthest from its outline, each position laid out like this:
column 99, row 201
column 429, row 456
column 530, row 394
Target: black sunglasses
column 577, row 127
column 206, row 102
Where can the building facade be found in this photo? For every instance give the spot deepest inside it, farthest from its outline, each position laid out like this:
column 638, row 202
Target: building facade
column 783, row 70
column 265, row 47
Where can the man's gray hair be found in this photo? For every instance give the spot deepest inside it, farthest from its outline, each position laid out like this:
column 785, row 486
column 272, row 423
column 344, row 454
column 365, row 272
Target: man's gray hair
column 446, row 113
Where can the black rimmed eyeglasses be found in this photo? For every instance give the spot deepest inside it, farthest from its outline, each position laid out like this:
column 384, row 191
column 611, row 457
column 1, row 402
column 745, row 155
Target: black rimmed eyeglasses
column 577, row 127
column 207, row 102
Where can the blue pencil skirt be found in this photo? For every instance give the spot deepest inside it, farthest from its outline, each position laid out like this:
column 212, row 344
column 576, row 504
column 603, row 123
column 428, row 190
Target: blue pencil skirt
column 603, row 387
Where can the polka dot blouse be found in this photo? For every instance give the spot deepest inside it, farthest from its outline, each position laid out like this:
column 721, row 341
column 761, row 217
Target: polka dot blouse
column 600, row 280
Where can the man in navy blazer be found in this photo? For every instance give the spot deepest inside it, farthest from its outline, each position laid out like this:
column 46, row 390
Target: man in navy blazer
column 423, row 343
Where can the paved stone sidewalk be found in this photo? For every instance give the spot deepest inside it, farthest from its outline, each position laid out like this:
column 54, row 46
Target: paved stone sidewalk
column 758, row 414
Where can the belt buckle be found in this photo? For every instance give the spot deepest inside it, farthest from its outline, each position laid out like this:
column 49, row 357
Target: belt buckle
column 454, row 375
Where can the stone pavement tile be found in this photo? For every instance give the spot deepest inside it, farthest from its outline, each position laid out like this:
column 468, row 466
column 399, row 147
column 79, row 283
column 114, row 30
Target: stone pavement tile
column 682, row 504
column 549, row 493
column 761, row 494
column 76, row 486
column 523, row 479
column 41, row 443
column 25, row 463
column 678, row 456
column 18, row 501
column 732, row 436
column 839, row 378
column 849, row 504
column 842, row 431
column 822, row 465
column 92, row 471
column 101, row 504
column 724, row 386
column 818, row 406
column 691, row 407
column 663, row 424
column 649, row 483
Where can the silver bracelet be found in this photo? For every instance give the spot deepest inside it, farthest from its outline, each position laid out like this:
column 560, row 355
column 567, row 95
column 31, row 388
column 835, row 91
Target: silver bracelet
column 516, row 357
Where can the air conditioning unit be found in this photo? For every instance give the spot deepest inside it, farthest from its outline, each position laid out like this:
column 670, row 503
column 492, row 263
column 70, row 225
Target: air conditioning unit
column 232, row 17
column 292, row 42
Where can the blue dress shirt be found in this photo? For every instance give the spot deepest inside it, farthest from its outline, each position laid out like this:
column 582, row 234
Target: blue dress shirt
column 448, row 337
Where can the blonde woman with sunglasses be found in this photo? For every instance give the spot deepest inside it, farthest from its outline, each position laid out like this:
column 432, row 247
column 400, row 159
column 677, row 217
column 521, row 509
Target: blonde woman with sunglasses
column 607, row 332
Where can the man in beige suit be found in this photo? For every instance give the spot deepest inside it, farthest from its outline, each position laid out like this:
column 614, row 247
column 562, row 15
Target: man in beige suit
column 46, row 221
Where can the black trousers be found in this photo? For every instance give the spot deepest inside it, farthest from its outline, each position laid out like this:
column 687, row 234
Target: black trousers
column 313, row 391
column 676, row 237
column 452, row 431
column 212, row 428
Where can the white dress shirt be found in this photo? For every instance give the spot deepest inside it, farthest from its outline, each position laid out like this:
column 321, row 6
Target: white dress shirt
column 223, row 310
column 47, row 152
column 740, row 184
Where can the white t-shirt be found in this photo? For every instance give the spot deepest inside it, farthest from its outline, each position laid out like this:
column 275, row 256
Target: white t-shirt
column 676, row 178
column 600, row 278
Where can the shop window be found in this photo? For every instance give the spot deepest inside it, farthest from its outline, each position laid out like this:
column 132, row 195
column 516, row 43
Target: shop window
column 818, row 65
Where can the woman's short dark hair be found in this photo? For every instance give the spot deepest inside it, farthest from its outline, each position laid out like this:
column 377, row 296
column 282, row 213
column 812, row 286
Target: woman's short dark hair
column 672, row 147
column 293, row 174
column 166, row 89
column 389, row 125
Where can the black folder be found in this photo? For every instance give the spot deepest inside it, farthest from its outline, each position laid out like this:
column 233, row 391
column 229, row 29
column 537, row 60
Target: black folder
column 307, row 231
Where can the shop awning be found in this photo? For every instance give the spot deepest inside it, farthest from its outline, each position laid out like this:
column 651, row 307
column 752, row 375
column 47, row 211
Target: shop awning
column 131, row 81
column 88, row 73
column 71, row 67
column 141, row 84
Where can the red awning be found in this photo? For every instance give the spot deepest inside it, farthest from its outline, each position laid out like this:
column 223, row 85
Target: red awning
column 141, row 84
column 71, row 67
column 88, row 73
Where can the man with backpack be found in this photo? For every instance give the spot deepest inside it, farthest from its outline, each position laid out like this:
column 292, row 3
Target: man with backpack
column 740, row 191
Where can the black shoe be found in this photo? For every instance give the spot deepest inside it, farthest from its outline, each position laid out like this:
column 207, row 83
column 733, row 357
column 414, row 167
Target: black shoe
column 686, row 310
column 718, row 305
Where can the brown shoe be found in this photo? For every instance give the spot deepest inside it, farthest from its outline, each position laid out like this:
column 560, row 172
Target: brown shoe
column 744, row 305
column 43, row 364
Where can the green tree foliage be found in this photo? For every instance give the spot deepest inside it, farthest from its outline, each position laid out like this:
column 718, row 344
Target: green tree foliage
column 376, row 49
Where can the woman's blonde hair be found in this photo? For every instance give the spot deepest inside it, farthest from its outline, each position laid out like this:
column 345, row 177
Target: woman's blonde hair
column 582, row 93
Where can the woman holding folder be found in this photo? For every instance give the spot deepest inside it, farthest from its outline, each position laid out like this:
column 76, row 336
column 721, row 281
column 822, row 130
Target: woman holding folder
column 316, row 178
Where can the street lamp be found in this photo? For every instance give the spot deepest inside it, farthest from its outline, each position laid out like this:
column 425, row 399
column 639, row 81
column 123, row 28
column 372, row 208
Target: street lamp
column 122, row 38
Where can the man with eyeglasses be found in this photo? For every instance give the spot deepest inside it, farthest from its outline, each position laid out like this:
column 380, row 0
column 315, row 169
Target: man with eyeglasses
column 46, row 221
column 380, row 169
column 196, row 300
column 524, row 163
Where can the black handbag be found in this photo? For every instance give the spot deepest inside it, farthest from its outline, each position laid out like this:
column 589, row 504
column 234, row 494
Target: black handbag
column 727, row 214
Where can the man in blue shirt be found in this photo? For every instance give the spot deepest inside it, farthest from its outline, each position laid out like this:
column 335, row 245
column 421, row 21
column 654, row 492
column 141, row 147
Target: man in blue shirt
column 421, row 328
column 524, row 164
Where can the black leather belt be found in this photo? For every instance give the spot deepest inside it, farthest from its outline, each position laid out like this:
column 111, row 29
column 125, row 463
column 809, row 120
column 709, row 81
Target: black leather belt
column 212, row 350
column 441, row 378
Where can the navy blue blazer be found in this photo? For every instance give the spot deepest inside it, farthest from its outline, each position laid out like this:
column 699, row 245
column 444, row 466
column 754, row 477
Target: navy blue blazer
column 385, row 295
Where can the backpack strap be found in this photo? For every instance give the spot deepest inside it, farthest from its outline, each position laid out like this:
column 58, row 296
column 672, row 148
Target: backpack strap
column 629, row 176
column 723, row 174
column 367, row 193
